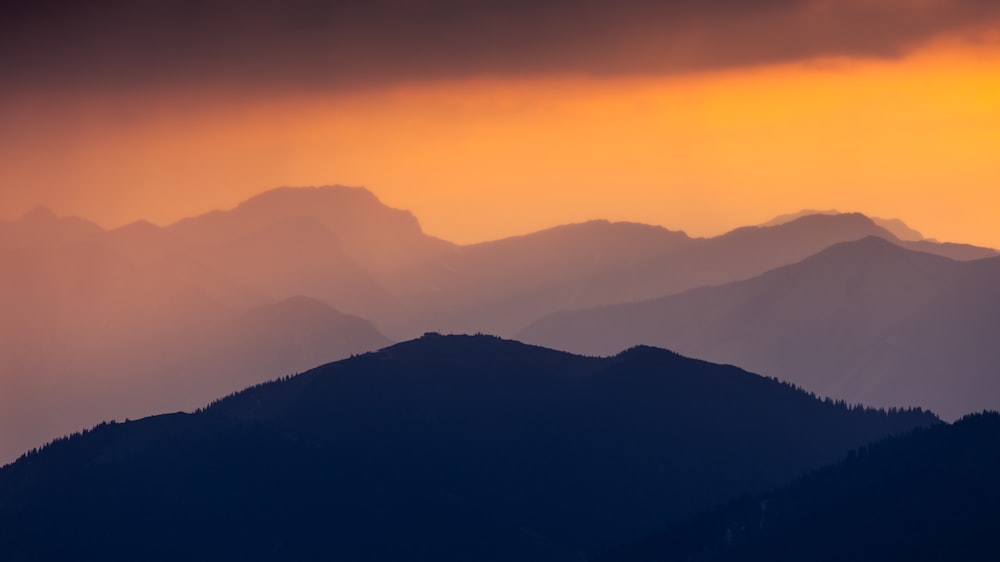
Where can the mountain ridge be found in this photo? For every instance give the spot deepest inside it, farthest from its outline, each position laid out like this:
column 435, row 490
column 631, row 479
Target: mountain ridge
column 458, row 447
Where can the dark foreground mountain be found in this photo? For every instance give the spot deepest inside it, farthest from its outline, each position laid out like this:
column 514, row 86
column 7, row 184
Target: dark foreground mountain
column 863, row 321
column 442, row 448
column 929, row 495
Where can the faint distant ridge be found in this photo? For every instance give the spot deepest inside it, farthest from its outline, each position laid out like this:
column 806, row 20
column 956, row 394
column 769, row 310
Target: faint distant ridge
column 455, row 447
column 898, row 228
column 927, row 495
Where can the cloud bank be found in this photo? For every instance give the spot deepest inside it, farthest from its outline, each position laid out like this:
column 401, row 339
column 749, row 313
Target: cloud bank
column 57, row 45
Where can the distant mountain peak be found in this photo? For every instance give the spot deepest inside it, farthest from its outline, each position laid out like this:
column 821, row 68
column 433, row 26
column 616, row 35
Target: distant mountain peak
column 320, row 201
column 374, row 235
column 39, row 213
column 283, row 194
column 837, row 218
column 335, row 202
column 789, row 217
column 894, row 226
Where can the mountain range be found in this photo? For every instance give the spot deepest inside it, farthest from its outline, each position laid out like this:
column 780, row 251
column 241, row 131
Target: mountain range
column 480, row 448
column 141, row 319
column 442, row 448
column 501, row 286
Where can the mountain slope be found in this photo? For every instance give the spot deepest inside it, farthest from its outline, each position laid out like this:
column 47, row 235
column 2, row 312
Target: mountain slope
column 443, row 448
column 929, row 495
column 856, row 322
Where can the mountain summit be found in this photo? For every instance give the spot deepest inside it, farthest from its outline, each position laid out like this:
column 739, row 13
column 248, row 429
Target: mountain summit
column 372, row 234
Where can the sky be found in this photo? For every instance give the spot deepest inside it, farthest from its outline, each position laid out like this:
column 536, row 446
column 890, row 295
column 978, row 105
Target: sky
column 489, row 118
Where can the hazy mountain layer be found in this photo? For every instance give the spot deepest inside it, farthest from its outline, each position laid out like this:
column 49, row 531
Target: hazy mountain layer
column 343, row 246
column 501, row 286
column 865, row 321
column 443, row 448
column 102, row 324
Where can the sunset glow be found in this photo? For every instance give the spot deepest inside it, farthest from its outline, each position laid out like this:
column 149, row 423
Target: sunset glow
column 499, row 280
column 479, row 159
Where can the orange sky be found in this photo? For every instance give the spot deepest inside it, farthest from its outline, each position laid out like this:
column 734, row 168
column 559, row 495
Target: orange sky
column 915, row 138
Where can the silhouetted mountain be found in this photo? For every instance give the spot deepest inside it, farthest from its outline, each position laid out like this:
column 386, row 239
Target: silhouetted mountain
column 443, row 448
column 928, row 495
column 865, row 321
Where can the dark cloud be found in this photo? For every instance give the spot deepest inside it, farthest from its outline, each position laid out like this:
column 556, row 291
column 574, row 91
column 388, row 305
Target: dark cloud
column 73, row 44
